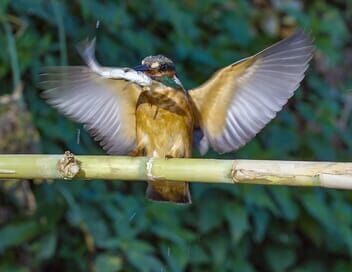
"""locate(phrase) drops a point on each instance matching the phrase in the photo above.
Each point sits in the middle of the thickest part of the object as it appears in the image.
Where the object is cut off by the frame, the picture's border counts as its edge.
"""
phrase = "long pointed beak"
(141, 68)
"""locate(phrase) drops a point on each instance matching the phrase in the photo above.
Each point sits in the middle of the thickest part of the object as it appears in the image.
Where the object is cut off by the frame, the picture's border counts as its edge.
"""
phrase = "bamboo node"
(68, 166)
(149, 167)
(234, 173)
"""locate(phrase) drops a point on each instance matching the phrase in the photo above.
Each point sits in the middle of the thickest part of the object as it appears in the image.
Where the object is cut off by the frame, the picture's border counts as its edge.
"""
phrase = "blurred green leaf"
(241, 265)
(46, 246)
(17, 233)
(279, 258)
(285, 202)
(209, 218)
(144, 262)
(107, 263)
(13, 268)
(318, 208)
(237, 219)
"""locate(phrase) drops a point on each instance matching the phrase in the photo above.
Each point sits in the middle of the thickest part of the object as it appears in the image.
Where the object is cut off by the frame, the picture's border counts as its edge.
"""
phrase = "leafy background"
(109, 226)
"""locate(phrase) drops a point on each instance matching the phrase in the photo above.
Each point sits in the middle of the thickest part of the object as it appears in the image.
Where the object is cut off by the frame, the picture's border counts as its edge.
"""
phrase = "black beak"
(141, 68)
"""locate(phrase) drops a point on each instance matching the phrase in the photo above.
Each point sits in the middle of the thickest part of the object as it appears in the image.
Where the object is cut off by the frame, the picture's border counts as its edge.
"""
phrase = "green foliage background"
(109, 226)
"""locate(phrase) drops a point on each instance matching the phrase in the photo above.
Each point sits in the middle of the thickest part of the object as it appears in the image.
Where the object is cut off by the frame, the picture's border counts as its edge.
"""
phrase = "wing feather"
(240, 99)
(105, 106)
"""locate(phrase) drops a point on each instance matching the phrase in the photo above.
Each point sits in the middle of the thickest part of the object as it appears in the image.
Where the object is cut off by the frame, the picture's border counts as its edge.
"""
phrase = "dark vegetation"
(109, 226)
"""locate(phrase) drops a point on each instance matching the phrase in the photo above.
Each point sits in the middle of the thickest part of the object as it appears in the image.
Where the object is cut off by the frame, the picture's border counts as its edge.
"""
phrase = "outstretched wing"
(106, 106)
(240, 99)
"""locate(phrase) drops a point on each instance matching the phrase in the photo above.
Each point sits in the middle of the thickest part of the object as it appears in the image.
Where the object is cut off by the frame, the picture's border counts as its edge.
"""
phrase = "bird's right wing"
(102, 98)
(105, 106)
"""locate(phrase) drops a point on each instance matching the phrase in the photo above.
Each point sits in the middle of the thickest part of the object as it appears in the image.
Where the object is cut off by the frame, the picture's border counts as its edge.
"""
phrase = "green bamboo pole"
(296, 173)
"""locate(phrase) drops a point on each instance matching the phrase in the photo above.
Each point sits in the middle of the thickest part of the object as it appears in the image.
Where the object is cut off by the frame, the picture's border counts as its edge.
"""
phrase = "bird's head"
(157, 66)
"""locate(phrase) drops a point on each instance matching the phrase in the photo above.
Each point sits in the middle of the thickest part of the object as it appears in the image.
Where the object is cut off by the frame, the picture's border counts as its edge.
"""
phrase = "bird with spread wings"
(146, 111)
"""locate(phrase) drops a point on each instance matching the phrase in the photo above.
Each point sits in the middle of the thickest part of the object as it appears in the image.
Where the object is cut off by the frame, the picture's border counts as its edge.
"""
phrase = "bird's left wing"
(240, 99)
(102, 98)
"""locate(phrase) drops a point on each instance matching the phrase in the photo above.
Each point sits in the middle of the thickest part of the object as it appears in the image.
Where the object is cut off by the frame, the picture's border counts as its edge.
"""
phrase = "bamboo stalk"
(295, 173)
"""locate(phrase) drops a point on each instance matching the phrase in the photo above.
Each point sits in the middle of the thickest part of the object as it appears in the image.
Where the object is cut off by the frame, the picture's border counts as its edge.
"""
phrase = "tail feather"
(169, 191)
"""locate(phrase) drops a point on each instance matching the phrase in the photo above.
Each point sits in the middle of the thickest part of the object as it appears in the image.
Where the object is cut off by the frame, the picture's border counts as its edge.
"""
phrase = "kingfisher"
(146, 111)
